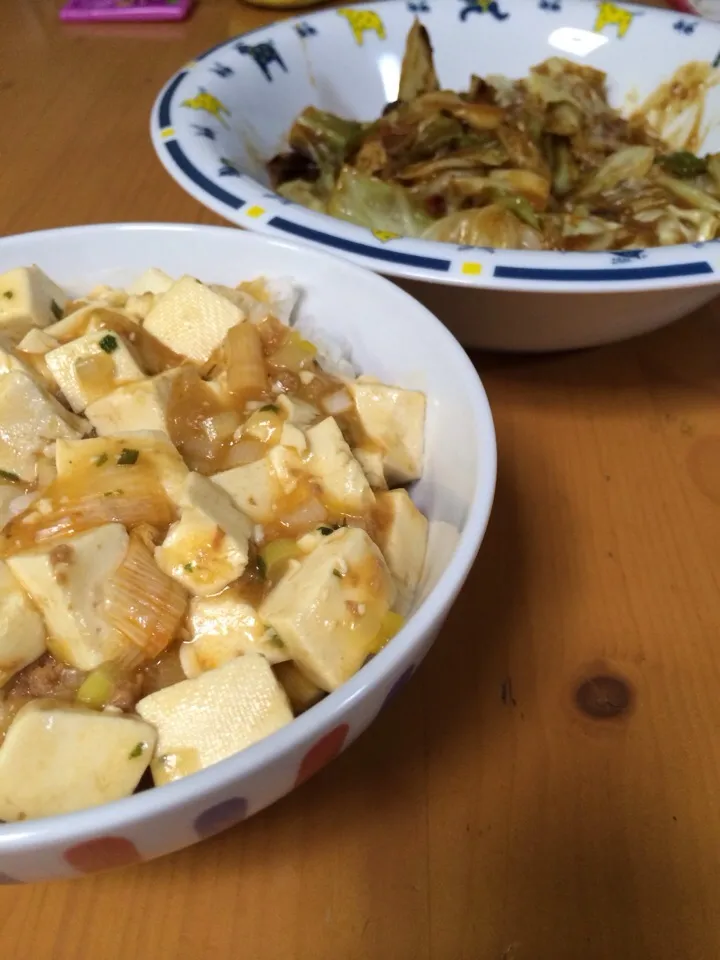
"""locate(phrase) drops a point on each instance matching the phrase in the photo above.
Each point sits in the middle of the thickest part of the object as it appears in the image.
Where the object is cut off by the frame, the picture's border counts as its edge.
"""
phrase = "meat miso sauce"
(204, 528)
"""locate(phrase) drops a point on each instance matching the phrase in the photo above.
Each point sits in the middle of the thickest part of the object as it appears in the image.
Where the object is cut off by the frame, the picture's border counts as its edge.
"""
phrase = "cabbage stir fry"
(204, 528)
(543, 163)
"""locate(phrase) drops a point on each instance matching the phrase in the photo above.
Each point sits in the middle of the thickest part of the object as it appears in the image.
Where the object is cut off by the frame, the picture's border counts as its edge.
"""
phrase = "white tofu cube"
(225, 627)
(394, 421)
(8, 493)
(114, 366)
(292, 436)
(207, 548)
(214, 716)
(66, 581)
(77, 456)
(344, 484)
(22, 630)
(329, 608)
(253, 487)
(401, 534)
(373, 467)
(297, 412)
(142, 405)
(192, 320)
(30, 419)
(8, 359)
(57, 758)
(28, 298)
(151, 281)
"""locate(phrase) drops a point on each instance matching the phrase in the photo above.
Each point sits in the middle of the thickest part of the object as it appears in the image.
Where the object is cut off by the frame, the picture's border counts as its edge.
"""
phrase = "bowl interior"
(348, 61)
(224, 114)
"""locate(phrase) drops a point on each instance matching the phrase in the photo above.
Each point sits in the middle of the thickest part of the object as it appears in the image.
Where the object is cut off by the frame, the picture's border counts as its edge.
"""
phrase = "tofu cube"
(58, 758)
(329, 608)
(92, 366)
(154, 448)
(297, 412)
(340, 475)
(302, 693)
(8, 492)
(142, 405)
(225, 627)
(192, 320)
(8, 359)
(373, 467)
(22, 630)
(401, 534)
(394, 421)
(30, 419)
(151, 281)
(28, 298)
(253, 487)
(66, 581)
(207, 548)
(214, 716)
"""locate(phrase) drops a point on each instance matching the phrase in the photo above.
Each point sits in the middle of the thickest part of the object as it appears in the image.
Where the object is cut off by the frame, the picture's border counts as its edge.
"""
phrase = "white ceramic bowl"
(391, 336)
(223, 114)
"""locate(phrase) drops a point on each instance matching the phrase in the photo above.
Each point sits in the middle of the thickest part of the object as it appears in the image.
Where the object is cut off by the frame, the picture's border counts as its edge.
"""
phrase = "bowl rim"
(114, 816)
(255, 206)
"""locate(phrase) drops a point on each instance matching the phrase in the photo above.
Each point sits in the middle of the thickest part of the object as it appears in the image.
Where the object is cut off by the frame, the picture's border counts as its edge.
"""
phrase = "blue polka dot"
(398, 685)
(220, 817)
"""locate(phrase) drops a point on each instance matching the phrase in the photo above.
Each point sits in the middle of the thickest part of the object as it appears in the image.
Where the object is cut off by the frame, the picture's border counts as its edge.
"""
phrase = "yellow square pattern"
(167, 132)
(256, 211)
(471, 269)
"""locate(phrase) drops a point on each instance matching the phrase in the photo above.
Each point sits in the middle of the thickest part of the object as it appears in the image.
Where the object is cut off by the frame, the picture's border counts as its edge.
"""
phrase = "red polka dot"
(102, 853)
(322, 752)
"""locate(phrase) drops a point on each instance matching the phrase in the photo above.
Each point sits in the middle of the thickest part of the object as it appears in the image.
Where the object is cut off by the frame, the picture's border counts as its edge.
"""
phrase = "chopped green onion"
(189, 567)
(99, 461)
(108, 343)
(326, 530)
(137, 750)
(261, 567)
(6, 475)
(8, 294)
(683, 164)
(56, 309)
(128, 456)
(336, 573)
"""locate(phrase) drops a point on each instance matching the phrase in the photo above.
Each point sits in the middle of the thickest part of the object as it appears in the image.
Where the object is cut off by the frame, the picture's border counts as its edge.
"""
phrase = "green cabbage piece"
(325, 138)
(377, 205)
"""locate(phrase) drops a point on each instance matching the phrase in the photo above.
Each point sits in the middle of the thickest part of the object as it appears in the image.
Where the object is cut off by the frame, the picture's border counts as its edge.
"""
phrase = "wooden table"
(487, 815)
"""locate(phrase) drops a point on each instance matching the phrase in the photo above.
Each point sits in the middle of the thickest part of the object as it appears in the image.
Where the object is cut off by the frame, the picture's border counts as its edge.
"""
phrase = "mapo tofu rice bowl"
(212, 518)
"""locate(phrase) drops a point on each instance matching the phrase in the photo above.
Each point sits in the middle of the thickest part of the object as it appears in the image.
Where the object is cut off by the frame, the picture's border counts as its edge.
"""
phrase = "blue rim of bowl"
(112, 818)
(255, 207)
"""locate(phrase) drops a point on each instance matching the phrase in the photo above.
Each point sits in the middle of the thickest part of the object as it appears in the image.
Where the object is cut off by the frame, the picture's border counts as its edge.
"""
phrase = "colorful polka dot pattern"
(102, 853)
(322, 752)
(220, 817)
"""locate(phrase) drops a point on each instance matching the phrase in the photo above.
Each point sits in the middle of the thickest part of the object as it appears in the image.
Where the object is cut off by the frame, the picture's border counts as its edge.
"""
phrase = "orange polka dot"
(102, 853)
(322, 752)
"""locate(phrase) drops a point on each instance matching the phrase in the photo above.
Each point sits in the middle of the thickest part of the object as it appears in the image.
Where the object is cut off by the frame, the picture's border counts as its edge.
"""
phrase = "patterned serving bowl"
(225, 113)
(390, 335)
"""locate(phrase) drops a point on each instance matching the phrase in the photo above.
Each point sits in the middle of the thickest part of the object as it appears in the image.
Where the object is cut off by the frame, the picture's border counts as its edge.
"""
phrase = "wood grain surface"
(509, 805)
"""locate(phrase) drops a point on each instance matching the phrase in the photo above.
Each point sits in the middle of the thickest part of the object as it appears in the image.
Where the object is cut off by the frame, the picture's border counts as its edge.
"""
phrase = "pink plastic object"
(701, 8)
(85, 11)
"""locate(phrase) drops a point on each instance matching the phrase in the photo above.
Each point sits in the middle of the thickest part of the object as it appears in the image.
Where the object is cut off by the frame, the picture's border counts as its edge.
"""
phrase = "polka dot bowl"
(390, 335)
